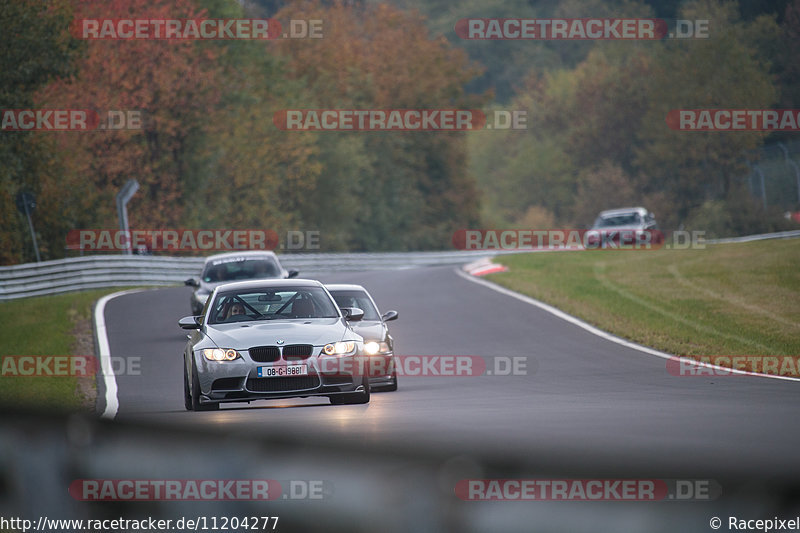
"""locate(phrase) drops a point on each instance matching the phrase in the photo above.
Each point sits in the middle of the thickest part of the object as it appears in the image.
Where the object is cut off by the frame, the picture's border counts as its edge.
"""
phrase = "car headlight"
(339, 348)
(372, 347)
(221, 354)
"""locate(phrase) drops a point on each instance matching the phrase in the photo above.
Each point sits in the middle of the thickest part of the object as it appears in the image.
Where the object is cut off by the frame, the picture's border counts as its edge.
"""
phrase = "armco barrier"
(100, 271)
(794, 234)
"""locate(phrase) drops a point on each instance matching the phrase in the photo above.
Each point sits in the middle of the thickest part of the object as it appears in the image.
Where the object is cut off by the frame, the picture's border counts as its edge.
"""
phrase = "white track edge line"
(104, 352)
(600, 333)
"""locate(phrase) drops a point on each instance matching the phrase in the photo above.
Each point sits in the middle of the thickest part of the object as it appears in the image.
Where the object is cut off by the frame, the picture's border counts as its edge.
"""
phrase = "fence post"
(123, 197)
(757, 170)
(791, 163)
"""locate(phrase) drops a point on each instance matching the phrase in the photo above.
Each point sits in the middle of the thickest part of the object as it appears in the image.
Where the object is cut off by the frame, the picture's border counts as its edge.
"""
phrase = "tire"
(393, 385)
(354, 398)
(196, 405)
(187, 394)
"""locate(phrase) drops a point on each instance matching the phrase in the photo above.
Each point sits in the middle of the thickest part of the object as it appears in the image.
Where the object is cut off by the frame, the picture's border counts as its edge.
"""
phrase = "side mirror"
(352, 314)
(294, 273)
(191, 282)
(189, 322)
(389, 315)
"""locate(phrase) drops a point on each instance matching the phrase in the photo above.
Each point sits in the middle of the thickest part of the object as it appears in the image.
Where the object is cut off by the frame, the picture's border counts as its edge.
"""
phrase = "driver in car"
(235, 309)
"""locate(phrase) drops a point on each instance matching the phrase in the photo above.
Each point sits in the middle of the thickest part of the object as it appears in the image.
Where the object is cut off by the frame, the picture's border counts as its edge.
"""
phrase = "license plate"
(281, 371)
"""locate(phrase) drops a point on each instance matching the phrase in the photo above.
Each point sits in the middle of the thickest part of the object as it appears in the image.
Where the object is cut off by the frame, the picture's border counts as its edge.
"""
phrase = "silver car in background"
(627, 218)
(270, 339)
(624, 226)
(234, 266)
(378, 343)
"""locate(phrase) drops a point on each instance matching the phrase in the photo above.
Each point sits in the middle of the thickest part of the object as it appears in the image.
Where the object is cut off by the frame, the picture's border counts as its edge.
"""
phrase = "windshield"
(626, 219)
(358, 299)
(272, 304)
(239, 268)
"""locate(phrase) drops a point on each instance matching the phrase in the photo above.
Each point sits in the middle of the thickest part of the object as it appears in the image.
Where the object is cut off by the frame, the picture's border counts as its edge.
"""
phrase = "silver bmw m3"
(268, 339)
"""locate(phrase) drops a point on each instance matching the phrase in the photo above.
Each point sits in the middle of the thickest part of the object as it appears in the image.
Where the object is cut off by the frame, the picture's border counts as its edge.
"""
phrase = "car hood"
(244, 335)
(371, 330)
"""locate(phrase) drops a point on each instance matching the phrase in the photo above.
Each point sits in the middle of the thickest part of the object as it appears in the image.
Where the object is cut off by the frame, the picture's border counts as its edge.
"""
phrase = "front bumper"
(238, 380)
(381, 369)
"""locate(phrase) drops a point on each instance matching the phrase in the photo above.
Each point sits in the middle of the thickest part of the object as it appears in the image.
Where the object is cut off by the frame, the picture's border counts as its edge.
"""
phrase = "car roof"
(269, 284)
(344, 287)
(246, 254)
(623, 210)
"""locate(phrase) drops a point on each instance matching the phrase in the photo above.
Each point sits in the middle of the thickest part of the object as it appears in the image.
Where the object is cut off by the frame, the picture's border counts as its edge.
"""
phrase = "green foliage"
(35, 49)
(382, 190)
(720, 72)
(738, 214)
(604, 121)
(211, 156)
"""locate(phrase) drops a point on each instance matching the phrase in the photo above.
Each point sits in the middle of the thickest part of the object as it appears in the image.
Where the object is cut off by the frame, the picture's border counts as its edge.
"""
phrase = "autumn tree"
(36, 48)
(605, 119)
(173, 85)
(383, 190)
(724, 71)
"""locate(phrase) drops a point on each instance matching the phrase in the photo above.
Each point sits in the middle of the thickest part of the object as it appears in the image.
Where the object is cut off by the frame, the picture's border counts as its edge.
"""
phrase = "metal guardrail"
(81, 273)
(762, 237)
(100, 271)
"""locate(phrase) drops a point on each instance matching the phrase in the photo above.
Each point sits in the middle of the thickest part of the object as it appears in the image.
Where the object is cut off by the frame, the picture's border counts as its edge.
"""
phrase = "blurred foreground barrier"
(76, 467)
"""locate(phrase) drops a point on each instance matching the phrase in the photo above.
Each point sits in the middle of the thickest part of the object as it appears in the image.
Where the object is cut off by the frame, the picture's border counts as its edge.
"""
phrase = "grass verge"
(48, 325)
(731, 299)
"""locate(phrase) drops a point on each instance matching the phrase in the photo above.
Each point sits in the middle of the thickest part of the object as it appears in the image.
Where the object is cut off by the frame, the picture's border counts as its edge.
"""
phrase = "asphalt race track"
(585, 402)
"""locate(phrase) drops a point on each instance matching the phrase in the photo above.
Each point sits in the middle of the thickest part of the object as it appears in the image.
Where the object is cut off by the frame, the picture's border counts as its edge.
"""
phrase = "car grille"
(297, 351)
(270, 354)
(265, 354)
(282, 384)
